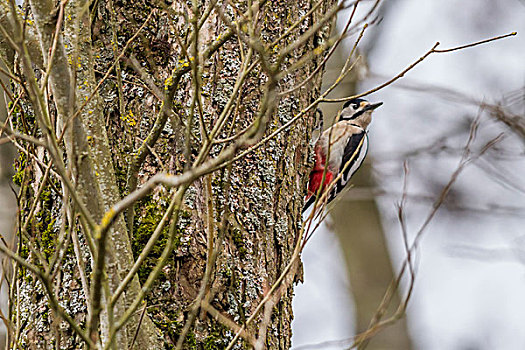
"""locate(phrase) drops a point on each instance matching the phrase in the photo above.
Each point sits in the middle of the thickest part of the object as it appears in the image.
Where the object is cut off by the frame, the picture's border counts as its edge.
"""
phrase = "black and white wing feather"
(353, 156)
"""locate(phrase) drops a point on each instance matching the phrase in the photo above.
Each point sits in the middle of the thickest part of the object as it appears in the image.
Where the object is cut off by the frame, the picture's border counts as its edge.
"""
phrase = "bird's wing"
(353, 155)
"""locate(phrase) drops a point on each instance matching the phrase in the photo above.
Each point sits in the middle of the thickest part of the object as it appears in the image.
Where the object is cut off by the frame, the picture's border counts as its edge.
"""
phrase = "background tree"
(357, 221)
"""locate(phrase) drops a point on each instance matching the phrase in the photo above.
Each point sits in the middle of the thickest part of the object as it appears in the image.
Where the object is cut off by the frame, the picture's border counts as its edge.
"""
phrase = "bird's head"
(359, 111)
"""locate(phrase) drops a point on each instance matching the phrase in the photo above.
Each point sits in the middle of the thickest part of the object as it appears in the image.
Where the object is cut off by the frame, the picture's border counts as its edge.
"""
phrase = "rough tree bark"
(246, 215)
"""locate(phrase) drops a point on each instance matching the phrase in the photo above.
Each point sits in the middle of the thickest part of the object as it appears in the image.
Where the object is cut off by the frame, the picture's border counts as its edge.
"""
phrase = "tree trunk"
(233, 230)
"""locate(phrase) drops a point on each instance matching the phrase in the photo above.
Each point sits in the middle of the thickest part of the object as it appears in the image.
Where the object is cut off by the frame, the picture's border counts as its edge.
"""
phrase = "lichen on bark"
(246, 215)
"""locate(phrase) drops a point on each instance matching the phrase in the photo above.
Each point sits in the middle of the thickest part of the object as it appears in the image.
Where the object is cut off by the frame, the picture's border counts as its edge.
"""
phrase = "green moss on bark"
(149, 214)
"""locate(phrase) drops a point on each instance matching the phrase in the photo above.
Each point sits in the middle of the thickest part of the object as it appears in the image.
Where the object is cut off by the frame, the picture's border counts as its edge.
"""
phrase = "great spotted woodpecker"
(346, 145)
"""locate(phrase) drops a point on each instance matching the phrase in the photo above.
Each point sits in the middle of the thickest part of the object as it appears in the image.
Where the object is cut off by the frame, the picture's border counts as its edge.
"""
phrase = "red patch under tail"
(316, 176)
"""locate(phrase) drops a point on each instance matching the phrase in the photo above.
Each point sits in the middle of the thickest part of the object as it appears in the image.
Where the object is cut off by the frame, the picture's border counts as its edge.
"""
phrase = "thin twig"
(421, 59)
(376, 324)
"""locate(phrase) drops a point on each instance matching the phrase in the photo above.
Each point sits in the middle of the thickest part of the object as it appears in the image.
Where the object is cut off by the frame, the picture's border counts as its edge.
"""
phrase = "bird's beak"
(372, 106)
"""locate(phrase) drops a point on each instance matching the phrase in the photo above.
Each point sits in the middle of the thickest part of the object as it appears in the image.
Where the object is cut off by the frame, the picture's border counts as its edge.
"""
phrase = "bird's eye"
(356, 106)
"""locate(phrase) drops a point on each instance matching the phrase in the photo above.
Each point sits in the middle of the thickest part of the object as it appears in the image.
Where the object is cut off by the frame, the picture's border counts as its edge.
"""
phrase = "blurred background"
(469, 290)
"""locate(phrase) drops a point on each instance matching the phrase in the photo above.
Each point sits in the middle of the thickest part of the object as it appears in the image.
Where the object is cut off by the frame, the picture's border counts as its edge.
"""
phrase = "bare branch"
(410, 67)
